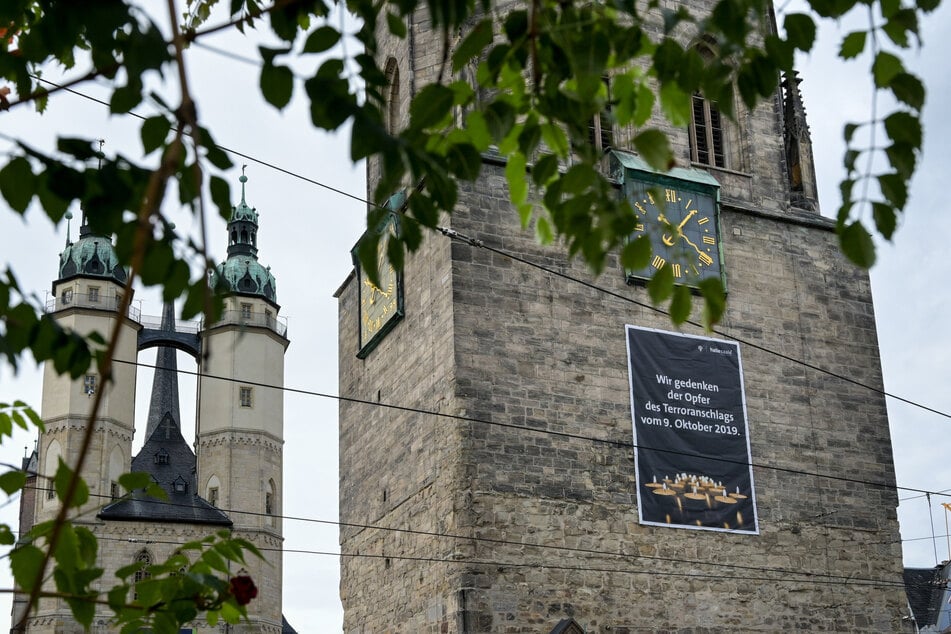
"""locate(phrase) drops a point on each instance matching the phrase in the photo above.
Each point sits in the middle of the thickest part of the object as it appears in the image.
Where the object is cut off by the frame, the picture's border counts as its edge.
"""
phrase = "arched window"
(53, 454)
(715, 140)
(391, 112)
(213, 490)
(144, 560)
(270, 502)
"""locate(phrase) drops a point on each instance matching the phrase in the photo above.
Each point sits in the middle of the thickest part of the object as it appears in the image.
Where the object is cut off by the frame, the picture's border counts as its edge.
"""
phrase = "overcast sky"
(306, 232)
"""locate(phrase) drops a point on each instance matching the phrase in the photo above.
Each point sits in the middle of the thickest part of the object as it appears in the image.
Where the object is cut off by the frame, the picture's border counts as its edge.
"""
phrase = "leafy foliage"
(518, 81)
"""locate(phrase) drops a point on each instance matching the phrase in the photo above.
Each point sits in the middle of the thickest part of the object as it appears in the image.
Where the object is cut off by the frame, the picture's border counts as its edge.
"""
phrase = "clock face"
(683, 228)
(381, 306)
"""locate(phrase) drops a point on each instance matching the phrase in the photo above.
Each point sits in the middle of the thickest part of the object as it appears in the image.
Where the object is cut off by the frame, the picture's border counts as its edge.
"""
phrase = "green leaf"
(680, 305)
(125, 98)
(544, 169)
(714, 300)
(849, 131)
(430, 106)
(154, 131)
(133, 481)
(277, 85)
(321, 39)
(221, 196)
(478, 40)
(894, 189)
(543, 230)
(396, 24)
(902, 158)
(904, 127)
(18, 184)
(886, 221)
(857, 244)
(908, 89)
(636, 254)
(853, 44)
(12, 481)
(885, 67)
(62, 479)
(654, 147)
(518, 185)
(25, 562)
(800, 31)
(676, 105)
(661, 284)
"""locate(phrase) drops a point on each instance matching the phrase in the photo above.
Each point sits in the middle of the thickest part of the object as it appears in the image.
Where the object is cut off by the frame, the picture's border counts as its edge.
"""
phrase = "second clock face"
(381, 305)
(683, 229)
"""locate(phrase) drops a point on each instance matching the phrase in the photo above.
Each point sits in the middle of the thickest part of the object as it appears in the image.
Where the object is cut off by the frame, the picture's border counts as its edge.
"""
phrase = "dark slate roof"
(567, 626)
(286, 627)
(924, 589)
(170, 461)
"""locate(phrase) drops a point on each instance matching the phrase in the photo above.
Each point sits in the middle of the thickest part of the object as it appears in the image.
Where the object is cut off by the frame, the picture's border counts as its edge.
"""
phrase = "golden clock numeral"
(650, 197)
(640, 208)
(687, 206)
(705, 259)
(676, 269)
(658, 262)
(709, 240)
(639, 227)
(703, 220)
(670, 195)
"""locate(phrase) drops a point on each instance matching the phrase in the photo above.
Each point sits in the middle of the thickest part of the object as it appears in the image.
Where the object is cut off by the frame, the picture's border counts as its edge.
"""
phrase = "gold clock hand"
(689, 216)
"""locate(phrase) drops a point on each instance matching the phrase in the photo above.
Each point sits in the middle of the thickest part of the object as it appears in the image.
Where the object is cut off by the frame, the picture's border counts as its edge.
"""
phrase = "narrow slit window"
(246, 396)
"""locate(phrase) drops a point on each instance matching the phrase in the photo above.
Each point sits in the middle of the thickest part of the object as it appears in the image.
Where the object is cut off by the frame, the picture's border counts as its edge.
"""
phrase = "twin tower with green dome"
(231, 476)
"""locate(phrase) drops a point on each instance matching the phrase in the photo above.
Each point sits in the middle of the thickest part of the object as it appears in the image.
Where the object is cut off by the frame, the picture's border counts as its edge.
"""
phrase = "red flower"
(243, 589)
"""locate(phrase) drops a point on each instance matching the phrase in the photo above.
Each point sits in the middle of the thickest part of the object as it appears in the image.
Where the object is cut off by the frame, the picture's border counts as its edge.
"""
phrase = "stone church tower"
(233, 478)
(501, 493)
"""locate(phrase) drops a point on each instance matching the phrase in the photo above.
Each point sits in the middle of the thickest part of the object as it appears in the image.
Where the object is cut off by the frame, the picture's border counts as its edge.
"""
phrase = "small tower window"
(180, 485)
(600, 129)
(90, 382)
(213, 496)
(114, 490)
(161, 457)
(706, 133)
(93, 294)
(245, 310)
(246, 396)
(269, 503)
(66, 297)
(269, 318)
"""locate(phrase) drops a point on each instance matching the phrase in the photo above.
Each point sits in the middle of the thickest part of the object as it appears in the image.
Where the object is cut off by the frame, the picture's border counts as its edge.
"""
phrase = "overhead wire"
(500, 542)
(475, 242)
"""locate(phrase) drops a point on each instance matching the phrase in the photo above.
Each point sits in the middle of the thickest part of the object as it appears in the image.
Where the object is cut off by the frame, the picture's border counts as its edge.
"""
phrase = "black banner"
(690, 430)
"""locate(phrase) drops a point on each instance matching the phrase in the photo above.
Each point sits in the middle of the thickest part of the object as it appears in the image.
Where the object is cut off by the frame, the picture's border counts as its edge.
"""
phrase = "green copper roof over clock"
(241, 272)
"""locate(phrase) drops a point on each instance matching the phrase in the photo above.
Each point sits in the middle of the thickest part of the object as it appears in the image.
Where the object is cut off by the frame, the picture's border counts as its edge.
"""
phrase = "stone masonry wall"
(553, 358)
(400, 469)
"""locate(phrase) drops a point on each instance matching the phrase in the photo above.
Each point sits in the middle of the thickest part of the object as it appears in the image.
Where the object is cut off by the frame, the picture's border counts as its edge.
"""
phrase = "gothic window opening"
(114, 491)
(161, 457)
(93, 294)
(600, 128)
(706, 133)
(246, 396)
(245, 310)
(391, 106)
(67, 297)
(90, 382)
(144, 559)
(213, 496)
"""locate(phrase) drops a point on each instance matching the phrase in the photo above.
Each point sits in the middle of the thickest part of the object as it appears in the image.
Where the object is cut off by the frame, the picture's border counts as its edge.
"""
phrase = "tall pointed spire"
(165, 383)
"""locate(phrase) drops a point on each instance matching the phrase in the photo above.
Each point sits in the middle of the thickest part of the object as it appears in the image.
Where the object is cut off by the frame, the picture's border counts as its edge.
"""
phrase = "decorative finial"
(69, 216)
(243, 179)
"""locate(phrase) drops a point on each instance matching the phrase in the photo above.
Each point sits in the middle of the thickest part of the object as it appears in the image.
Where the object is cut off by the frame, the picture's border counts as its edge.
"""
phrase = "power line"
(626, 444)
(503, 542)
(452, 234)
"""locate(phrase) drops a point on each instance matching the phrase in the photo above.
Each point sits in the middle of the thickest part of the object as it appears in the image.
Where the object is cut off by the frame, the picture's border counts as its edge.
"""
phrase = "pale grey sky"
(306, 233)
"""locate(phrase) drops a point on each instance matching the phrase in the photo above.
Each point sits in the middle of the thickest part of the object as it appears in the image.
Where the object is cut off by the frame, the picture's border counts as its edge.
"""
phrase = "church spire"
(164, 400)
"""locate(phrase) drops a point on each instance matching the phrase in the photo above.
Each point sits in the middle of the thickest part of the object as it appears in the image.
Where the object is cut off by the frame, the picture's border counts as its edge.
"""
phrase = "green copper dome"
(91, 256)
(241, 272)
